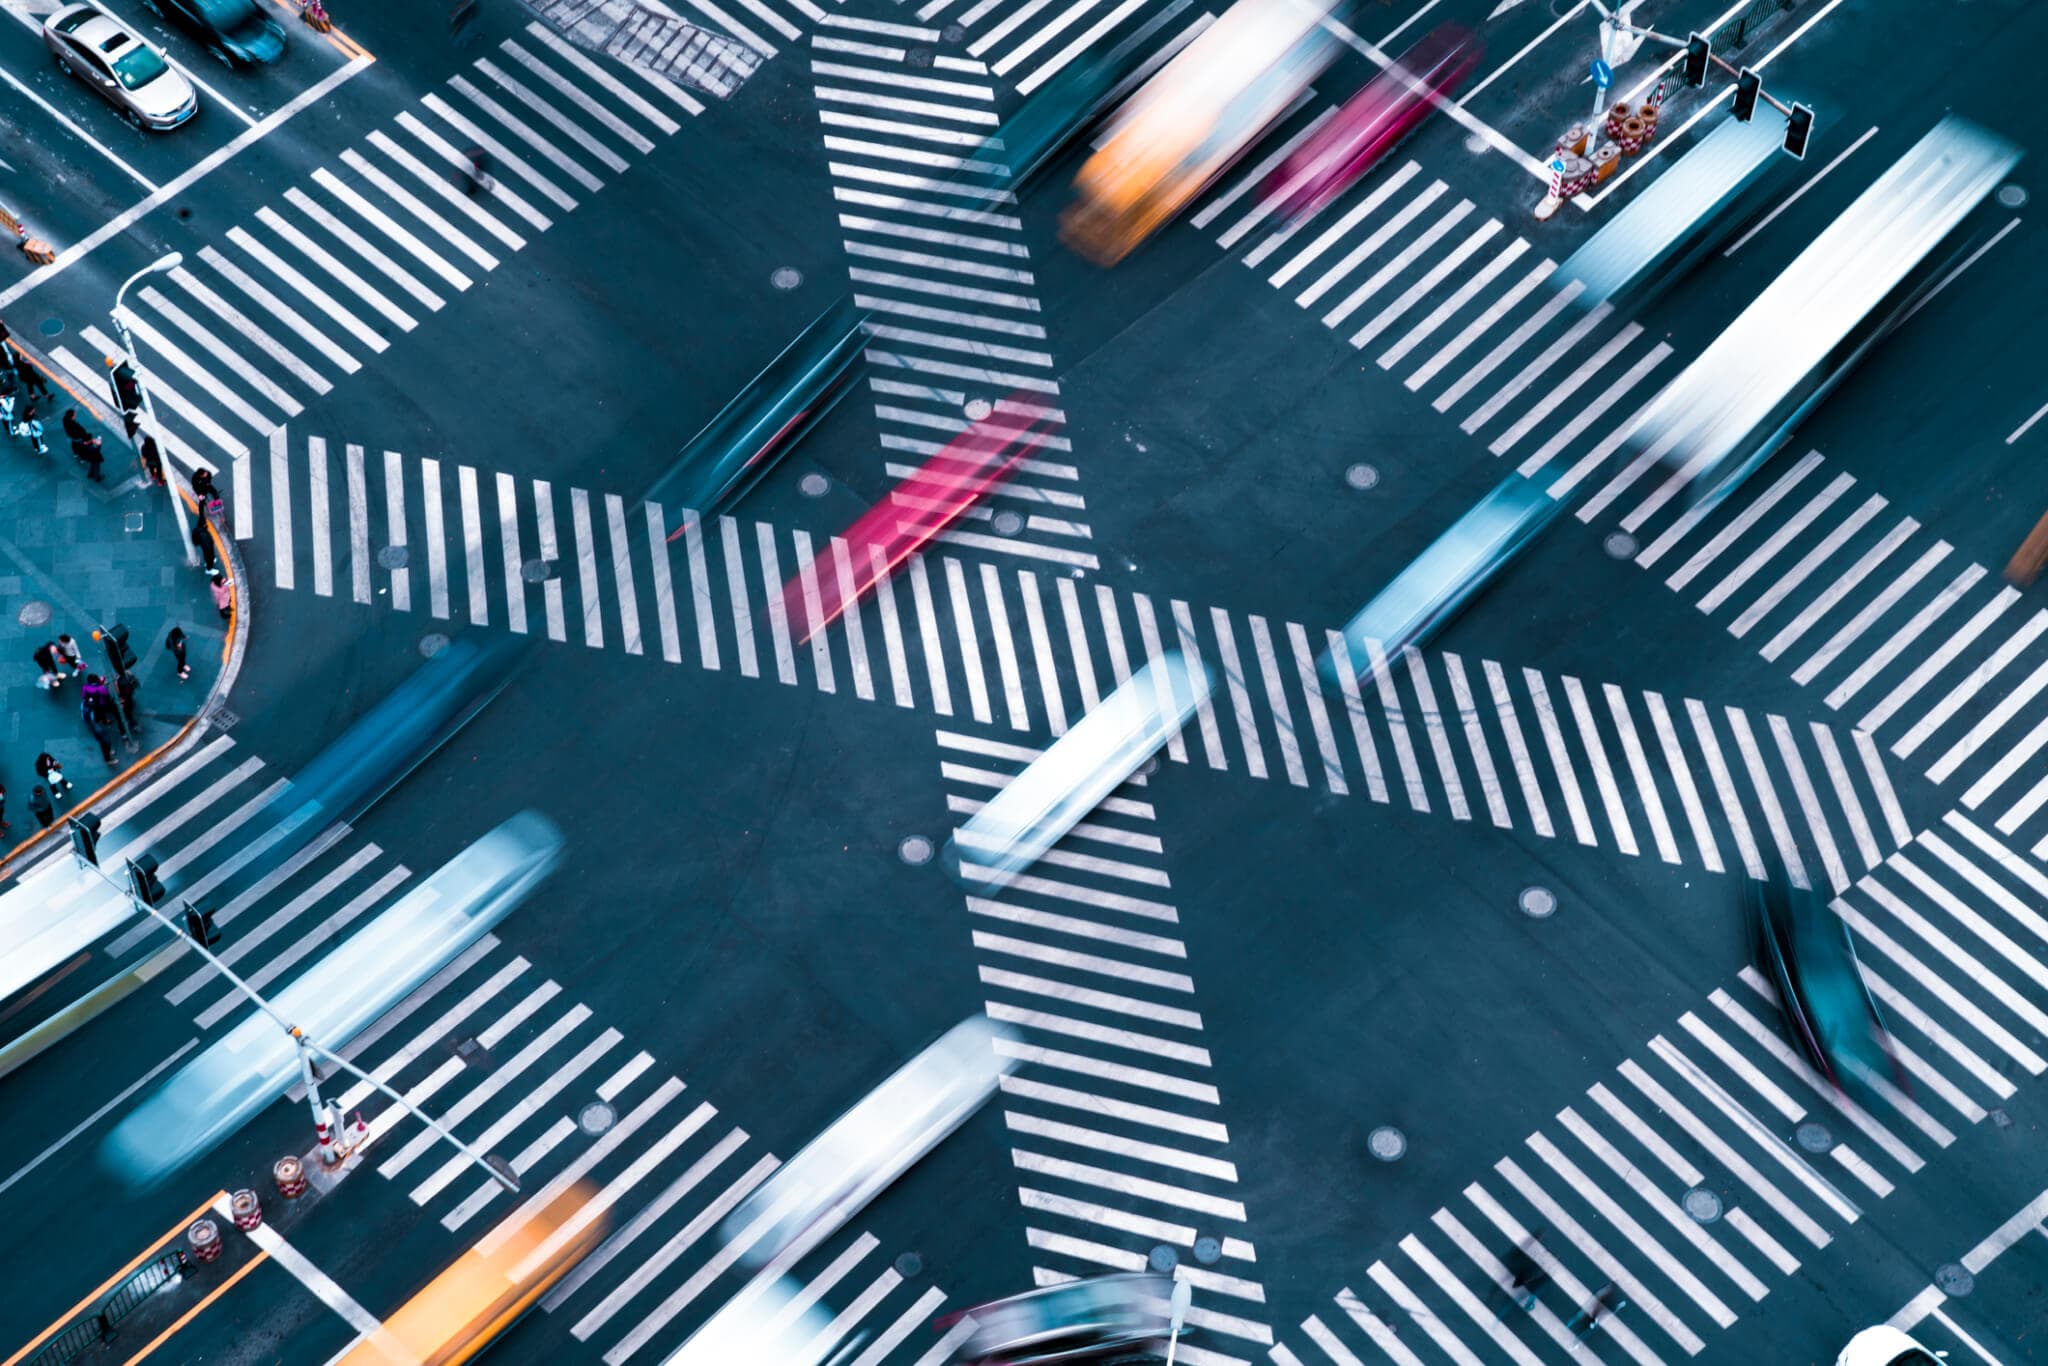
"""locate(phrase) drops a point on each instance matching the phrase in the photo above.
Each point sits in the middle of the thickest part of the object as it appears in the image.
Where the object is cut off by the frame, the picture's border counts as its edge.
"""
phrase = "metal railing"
(1737, 30)
(91, 1329)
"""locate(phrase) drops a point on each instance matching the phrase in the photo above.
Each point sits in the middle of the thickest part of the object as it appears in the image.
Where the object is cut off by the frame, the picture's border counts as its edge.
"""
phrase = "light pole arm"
(1716, 58)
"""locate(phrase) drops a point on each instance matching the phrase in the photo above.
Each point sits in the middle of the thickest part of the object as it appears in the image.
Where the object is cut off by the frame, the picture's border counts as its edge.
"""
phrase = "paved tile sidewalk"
(76, 556)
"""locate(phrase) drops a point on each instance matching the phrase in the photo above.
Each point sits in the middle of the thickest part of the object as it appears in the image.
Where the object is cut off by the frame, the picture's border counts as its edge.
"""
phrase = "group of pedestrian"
(104, 707)
(1527, 1274)
(21, 384)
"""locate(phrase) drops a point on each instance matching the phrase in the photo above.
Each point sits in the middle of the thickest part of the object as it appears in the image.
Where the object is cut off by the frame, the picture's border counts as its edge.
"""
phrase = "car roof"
(101, 32)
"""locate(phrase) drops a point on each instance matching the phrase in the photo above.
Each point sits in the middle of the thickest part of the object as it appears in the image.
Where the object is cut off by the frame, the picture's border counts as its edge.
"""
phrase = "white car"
(1885, 1346)
(127, 72)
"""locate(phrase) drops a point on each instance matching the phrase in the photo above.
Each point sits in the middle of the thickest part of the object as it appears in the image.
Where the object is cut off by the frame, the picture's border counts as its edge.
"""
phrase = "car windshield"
(138, 66)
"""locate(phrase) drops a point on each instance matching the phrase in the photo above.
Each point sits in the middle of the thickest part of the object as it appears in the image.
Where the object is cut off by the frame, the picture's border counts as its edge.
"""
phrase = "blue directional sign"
(1603, 74)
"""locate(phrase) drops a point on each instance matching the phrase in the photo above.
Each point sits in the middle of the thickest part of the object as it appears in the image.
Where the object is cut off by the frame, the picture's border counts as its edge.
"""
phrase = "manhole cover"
(1163, 1259)
(1477, 145)
(1813, 1137)
(2012, 196)
(470, 1051)
(978, 408)
(221, 717)
(1387, 1143)
(394, 557)
(786, 277)
(915, 850)
(814, 485)
(596, 1118)
(33, 614)
(1620, 545)
(1007, 523)
(1149, 767)
(1077, 572)
(432, 644)
(132, 522)
(1208, 1251)
(1953, 1279)
(954, 33)
(1538, 903)
(1362, 477)
(537, 571)
(2001, 1119)
(919, 57)
(51, 327)
(1702, 1204)
(909, 1264)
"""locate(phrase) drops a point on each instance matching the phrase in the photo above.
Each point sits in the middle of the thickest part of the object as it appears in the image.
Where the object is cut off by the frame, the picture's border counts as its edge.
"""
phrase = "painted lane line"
(473, 545)
(1895, 589)
(1603, 772)
(581, 528)
(622, 574)
(437, 537)
(1639, 767)
(1439, 736)
(1444, 311)
(236, 319)
(664, 585)
(1354, 709)
(701, 607)
(1560, 757)
(281, 507)
(1789, 200)
(394, 529)
(550, 555)
(312, 1277)
(358, 523)
(273, 305)
(1492, 314)
(1938, 659)
(1518, 748)
(508, 548)
(97, 1115)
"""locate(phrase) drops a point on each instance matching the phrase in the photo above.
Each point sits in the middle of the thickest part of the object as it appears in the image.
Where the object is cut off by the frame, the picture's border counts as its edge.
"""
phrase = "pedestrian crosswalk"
(1715, 786)
(936, 252)
(1115, 1116)
(506, 1057)
(1823, 576)
(1714, 1159)
(238, 338)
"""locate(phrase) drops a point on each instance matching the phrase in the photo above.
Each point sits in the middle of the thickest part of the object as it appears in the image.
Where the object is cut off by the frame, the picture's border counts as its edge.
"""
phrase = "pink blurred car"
(1390, 106)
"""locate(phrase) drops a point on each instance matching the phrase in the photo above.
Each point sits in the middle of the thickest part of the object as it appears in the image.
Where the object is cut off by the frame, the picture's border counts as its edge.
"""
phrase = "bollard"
(1576, 139)
(291, 1177)
(1578, 175)
(38, 251)
(1615, 115)
(245, 1209)
(1605, 160)
(1648, 114)
(204, 1237)
(1634, 133)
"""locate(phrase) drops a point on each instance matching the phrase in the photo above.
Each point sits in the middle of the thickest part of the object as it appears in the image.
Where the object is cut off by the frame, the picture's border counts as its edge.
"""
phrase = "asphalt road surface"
(1333, 1006)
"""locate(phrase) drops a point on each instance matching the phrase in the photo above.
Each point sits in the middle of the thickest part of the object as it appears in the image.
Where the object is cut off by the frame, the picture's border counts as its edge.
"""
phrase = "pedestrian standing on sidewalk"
(30, 373)
(175, 643)
(88, 453)
(31, 427)
(152, 461)
(67, 651)
(46, 660)
(39, 802)
(223, 593)
(97, 707)
(125, 685)
(52, 774)
(7, 397)
(207, 493)
(202, 540)
(73, 428)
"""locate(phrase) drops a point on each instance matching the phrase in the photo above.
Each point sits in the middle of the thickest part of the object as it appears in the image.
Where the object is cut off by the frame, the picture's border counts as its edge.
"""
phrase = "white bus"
(1740, 401)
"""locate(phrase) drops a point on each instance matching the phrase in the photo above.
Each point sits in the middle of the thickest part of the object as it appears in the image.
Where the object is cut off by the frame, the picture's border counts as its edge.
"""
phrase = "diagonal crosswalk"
(510, 1060)
(1649, 775)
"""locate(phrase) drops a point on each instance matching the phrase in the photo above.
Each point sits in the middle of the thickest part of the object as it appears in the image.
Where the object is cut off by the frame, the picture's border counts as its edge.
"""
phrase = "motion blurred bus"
(469, 1306)
(1186, 126)
(1739, 403)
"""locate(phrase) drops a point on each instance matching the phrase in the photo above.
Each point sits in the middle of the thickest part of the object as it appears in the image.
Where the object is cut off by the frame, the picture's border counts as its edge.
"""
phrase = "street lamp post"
(1183, 1295)
(168, 261)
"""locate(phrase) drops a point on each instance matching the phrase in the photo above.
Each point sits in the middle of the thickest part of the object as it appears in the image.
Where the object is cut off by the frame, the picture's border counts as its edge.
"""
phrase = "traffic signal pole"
(323, 1118)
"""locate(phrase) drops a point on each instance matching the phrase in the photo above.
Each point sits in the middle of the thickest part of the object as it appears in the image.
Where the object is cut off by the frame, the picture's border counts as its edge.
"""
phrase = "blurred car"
(872, 1144)
(127, 72)
(1388, 109)
(1076, 1321)
(1439, 581)
(1805, 947)
(234, 31)
(767, 417)
(1052, 115)
(1885, 1346)
(1191, 122)
(910, 515)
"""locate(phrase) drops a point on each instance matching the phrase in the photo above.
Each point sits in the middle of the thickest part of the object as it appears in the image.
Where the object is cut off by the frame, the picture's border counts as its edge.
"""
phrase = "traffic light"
(119, 653)
(85, 836)
(142, 880)
(1798, 129)
(1748, 85)
(199, 925)
(127, 391)
(1697, 52)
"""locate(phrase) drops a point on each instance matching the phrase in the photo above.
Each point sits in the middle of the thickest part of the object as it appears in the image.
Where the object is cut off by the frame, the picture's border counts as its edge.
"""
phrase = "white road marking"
(358, 523)
(322, 538)
(281, 507)
(473, 545)
(508, 549)
(664, 586)
(551, 555)
(1938, 659)
(394, 530)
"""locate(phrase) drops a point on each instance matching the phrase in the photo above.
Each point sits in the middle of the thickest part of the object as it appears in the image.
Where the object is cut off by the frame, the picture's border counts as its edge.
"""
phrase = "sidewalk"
(76, 556)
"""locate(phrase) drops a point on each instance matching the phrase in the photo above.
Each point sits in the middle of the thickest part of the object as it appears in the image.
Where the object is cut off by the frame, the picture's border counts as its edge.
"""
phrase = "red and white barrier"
(204, 1237)
(290, 1174)
(245, 1210)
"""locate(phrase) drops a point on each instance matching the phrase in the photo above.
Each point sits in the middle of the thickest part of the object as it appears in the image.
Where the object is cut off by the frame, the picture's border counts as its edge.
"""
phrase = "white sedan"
(1885, 1346)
